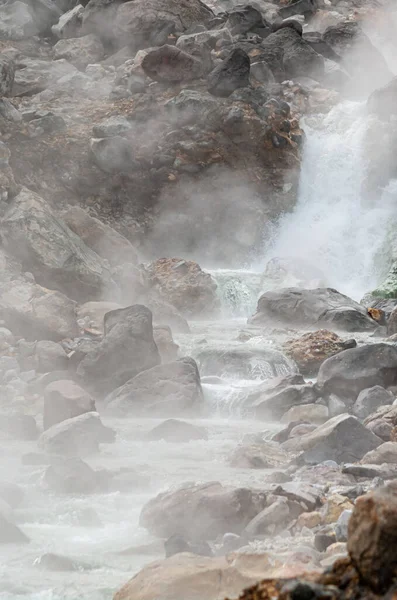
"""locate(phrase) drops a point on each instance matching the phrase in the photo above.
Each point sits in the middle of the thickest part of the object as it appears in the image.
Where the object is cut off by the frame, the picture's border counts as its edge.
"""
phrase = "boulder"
(183, 284)
(70, 476)
(69, 23)
(201, 512)
(348, 373)
(7, 73)
(370, 399)
(126, 349)
(164, 314)
(273, 403)
(36, 312)
(258, 456)
(382, 102)
(93, 313)
(16, 21)
(231, 74)
(312, 413)
(49, 356)
(385, 453)
(336, 504)
(81, 51)
(78, 436)
(311, 349)
(300, 7)
(167, 389)
(176, 431)
(194, 42)
(37, 75)
(50, 250)
(342, 525)
(271, 518)
(342, 439)
(373, 535)
(312, 307)
(169, 64)
(165, 343)
(101, 238)
(10, 533)
(114, 154)
(64, 399)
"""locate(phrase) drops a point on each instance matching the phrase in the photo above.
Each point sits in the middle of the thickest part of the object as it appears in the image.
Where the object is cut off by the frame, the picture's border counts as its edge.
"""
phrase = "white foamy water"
(332, 227)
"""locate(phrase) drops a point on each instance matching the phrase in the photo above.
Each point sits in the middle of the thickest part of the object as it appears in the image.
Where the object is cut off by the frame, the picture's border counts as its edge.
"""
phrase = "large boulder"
(372, 537)
(127, 349)
(183, 284)
(342, 439)
(64, 399)
(231, 74)
(348, 373)
(385, 453)
(168, 389)
(35, 312)
(71, 475)
(312, 307)
(50, 250)
(169, 64)
(369, 400)
(80, 51)
(201, 512)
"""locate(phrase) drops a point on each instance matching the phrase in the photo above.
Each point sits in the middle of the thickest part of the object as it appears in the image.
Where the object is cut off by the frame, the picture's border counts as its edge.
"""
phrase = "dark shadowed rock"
(169, 64)
(70, 476)
(370, 399)
(7, 73)
(201, 512)
(342, 439)
(231, 74)
(64, 400)
(177, 544)
(177, 431)
(167, 389)
(300, 7)
(356, 369)
(126, 349)
(78, 436)
(243, 18)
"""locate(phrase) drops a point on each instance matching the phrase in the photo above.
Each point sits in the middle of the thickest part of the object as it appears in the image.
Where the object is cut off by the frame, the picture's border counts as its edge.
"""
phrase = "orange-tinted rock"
(312, 349)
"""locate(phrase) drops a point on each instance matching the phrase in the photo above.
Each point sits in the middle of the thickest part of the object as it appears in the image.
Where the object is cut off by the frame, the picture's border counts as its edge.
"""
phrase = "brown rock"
(385, 453)
(334, 507)
(170, 64)
(312, 349)
(309, 519)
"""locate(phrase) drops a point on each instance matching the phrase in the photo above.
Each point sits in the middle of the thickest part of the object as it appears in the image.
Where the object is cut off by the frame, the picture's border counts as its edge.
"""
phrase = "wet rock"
(342, 439)
(370, 399)
(167, 389)
(231, 74)
(342, 524)
(312, 307)
(385, 453)
(36, 312)
(59, 563)
(49, 356)
(312, 349)
(80, 51)
(78, 436)
(10, 533)
(184, 285)
(201, 512)
(126, 349)
(276, 404)
(313, 413)
(100, 237)
(270, 519)
(70, 476)
(165, 343)
(69, 23)
(50, 250)
(348, 373)
(372, 532)
(258, 456)
(64, 400)
(176, 431)
(169, 64)
(7, 73)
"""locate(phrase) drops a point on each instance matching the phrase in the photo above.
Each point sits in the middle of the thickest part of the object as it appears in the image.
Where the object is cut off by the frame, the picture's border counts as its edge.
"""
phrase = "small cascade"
(238, 291)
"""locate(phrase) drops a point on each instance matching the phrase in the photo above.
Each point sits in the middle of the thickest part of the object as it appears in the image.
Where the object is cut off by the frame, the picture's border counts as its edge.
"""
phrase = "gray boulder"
(71, 476)
(50, 250)
(231, 74)
(127, 349)
(7, 74)
(69, 23)
(50, 356)
(312, 307)
(168, 389)
(80, 51)
(64, 399)
(10, 533)
(342, 525)
(270, 518)
(36, 75)
(169, 64)
(78, 436)
(370, 399)
(16, 21)
(300, 7)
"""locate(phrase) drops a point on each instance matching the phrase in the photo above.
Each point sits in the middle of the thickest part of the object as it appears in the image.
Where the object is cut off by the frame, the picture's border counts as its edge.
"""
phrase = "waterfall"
(238, 291)
(331, 227)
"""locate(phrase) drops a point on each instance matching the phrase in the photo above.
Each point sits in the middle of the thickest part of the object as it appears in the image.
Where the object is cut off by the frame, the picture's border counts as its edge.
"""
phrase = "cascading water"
(238, 291)
(331, 227)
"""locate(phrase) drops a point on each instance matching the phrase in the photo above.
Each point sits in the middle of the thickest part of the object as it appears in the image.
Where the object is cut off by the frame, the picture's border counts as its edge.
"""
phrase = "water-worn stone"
(385, 453)
(201, 512)
(126, 349)
(313, 413)
(176, 431)
(64, 399)
(373, 535)
(312, 307)
(258, 456)
(50, 250)
(370, 399)
(348, 373)
(271, 518)
(275, 403)
(49, 356)
(342, 439)
(70, 476)
(169, 64)
(168, 389)
(80, 51)
(78, 436)
(231, 74)
(312, 349)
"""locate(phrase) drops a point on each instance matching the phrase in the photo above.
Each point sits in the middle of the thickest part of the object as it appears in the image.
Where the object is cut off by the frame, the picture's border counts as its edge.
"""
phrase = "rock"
(309, 519)
(69, 23)
(258, 456)
(93, 313)
(336, 406)
(301, 429)
(381, 428)
(312, 307)
(194, 42)
(50, 356)
(313, 413)
(348, 373)
(126, 349)
(109, 127)
(19, 427)
(63, 400)
(176, 431)
(50, 250)
(16, 21)
(167, 389)
(36, 312)
(270, 519)
(38, 75)
(382, 101)
(7, 74)
(10, 533)
(78, 436)
(177, 544)
(335, 506)
(70, 476)
(262, 73)
(370, 399)
(385, 453)
(231, 74)
(342, 524)
(101, 238)
(59, 563)
(81, 51)
(372, 533)
(169, 64)
(165, 314)
(275, 403)
(184, 285)
(342, 439)
(300, 7)
(11, 493)
(201, 512)
(312, 349)
(307, 496)
(165, 343)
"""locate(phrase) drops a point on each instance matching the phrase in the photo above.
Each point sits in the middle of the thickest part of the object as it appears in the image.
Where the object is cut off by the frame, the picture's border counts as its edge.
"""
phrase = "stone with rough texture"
(80, 51)
(78, 436)
(370, 399)
(312, 349)
(7, 73)
(169, 64)
(385, 453)
(50, 356)
(69, 23)
(64, 399)
(201, 512)
(231, 74)
(167, 389)
(70, 476)
(270, 518)
(258, 456)
(312, 413)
